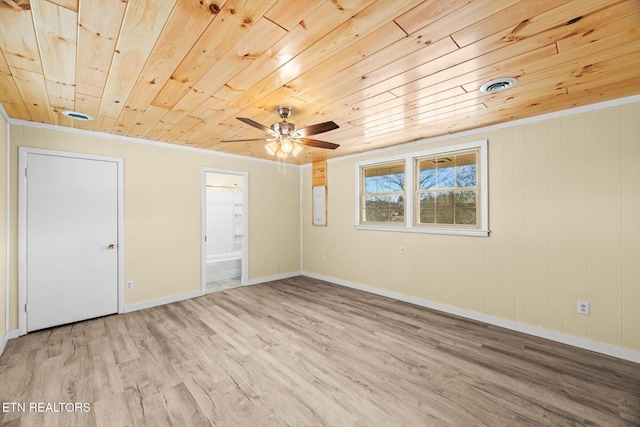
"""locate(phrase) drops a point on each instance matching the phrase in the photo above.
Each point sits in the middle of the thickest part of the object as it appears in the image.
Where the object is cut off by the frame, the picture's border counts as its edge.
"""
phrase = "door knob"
(111, 246)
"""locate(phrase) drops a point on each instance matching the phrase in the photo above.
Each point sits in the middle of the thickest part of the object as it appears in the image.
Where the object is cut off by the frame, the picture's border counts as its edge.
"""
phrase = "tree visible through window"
(383, 198)
(447, 189)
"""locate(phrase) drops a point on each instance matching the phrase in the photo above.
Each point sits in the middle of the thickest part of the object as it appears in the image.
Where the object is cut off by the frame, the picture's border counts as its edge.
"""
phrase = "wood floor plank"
(301, 351)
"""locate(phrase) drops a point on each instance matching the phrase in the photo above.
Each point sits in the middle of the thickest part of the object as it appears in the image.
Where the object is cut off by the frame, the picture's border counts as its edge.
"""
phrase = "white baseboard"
(128, 308)
(10, 334)
(274, 277)
(598, 347)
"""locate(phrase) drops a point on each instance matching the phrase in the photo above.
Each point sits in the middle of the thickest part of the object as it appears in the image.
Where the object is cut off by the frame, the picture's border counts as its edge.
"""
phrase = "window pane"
(427, 200)
(427, 179)
(466, 216)
(466, 176)
(427, 175)
(466, 159)
(465, 198)
(465, 207)
(446, 173)
(394, 182)
(370, 185)
(444, 215)
(444, 199)
(427, 216)
(374, 208)
(382, 170)
(384, 208)
(444, 207)
(384, 179)
(427, 213)
(384, 184)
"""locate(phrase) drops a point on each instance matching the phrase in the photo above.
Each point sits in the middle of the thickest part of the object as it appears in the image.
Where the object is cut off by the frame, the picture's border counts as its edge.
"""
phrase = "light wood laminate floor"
(303, 352)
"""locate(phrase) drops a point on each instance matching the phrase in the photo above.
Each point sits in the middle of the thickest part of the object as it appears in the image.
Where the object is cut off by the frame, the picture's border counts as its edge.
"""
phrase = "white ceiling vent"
(498, 85)
(77, 116)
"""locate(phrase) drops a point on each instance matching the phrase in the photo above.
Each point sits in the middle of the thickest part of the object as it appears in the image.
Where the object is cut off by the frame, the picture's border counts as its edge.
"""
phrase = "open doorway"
(224, 230)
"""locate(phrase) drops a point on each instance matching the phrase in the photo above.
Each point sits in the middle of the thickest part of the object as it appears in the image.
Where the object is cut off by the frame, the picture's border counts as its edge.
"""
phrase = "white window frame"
(384, 224)
(409, 226)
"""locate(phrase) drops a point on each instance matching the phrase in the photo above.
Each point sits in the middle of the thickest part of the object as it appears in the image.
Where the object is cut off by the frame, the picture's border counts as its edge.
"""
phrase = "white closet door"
(72, 246)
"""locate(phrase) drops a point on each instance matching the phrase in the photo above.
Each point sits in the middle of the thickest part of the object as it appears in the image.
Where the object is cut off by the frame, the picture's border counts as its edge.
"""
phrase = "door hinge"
(205, 238)
(26, 172)
(25, 308)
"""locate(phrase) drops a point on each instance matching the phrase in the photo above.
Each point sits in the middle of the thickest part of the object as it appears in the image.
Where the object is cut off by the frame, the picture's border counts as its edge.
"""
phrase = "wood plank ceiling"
(386, 71)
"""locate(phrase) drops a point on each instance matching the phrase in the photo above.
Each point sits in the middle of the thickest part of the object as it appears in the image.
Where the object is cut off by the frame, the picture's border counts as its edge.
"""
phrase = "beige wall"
(3, 222)
(162, 212)
(564, 214)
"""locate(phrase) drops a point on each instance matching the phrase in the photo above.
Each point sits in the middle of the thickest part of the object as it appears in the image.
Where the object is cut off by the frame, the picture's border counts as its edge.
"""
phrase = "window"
(383, 196)
(447, 190)
(439, 191)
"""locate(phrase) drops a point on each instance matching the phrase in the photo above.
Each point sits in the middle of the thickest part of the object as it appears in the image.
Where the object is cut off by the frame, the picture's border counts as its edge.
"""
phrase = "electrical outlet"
(403, 249)
(324, 259)
(128, 285)
(583, 307)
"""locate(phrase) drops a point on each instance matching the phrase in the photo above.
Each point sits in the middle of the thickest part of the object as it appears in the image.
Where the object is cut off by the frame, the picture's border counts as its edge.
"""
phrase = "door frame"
(23, 153)
(245, 224)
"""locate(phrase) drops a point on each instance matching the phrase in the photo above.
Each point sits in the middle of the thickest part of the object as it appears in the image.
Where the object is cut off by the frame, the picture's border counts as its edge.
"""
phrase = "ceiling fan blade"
(316, 129)
(257, 125)
(316, 143)
(252, 139)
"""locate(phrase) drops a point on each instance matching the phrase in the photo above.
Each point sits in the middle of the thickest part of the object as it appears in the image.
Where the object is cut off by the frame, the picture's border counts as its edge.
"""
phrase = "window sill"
(422, 230)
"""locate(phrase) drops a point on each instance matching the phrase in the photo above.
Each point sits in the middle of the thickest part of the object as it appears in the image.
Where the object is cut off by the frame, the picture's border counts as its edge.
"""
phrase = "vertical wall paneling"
(494, 296)
(574, 225)
(468, 277)
(536, 224)
(554, 230)
(519, 209)
(449, 278)
(508, 226)
(564, 203)
(604, 203)
(630, 225)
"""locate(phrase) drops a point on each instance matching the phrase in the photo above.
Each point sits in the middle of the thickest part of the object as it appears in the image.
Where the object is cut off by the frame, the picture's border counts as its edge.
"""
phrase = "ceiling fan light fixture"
(286, 145)
(297, 149)
(498, 85)
(272, 148)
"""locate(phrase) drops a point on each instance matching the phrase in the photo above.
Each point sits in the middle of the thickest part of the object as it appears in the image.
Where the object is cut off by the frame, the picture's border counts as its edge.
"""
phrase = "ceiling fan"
(285, 138)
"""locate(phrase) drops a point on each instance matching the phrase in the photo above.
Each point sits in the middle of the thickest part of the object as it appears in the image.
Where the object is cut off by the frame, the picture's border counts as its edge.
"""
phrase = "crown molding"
(129, 139)
(519, 122)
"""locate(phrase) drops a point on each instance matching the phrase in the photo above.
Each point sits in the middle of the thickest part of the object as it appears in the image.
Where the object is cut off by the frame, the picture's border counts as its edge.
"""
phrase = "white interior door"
(71, 239)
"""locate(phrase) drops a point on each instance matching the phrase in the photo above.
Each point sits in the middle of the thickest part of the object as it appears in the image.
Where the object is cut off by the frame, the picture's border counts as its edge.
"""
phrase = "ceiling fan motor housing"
(284, 128)
(284, 112)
